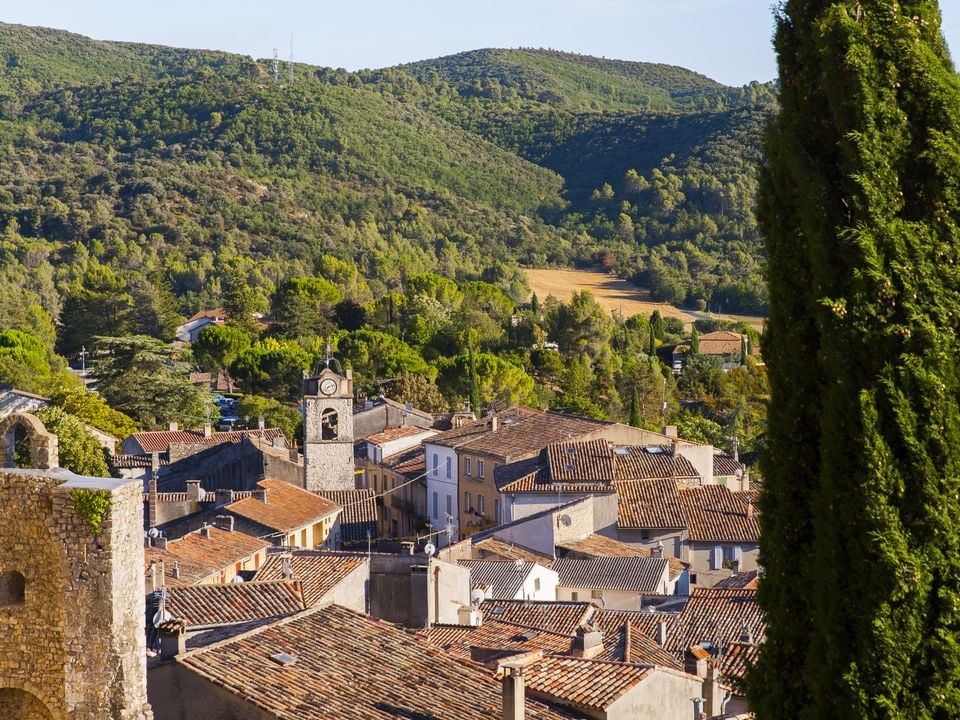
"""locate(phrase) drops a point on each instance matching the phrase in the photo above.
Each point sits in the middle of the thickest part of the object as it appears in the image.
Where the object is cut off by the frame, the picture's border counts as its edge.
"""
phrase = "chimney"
(670, 431)
(173, 640)
(153, 576)
(224, 522)
(588, 642)
(160, 543)
(494, 423)
(407, 547)
(152, 487)
(662, 633)
(469, 616)
(174, 427)
(176, 569)
(713, 692)
(735, 447)
(514, 687)
(261, 422)
(154, 467)
(278, 443)
(194, 491)
(749, 510)
(261, 495)
(287, 563)
(205, 532)
(294, 455)
(207, 431)
(746, 634)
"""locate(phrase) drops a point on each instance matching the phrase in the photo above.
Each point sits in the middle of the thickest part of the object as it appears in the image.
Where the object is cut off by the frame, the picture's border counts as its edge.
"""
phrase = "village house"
(518, 580)
(214, 554)
(323, 576)
(617, 583)
(285, 514)
(177, 443)
(188, 331)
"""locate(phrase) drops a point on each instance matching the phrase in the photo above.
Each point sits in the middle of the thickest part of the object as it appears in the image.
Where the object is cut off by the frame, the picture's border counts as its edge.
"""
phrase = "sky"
(727, 40)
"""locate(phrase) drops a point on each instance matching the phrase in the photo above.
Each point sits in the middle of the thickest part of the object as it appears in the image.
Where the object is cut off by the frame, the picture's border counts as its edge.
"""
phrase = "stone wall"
(76, 641)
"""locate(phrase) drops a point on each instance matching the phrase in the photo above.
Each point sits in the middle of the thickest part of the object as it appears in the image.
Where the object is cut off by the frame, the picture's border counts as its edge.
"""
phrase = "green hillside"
(33, 59)
(571, 81)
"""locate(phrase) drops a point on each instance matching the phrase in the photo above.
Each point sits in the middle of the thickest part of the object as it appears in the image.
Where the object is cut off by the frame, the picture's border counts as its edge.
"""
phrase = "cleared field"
(612, 293)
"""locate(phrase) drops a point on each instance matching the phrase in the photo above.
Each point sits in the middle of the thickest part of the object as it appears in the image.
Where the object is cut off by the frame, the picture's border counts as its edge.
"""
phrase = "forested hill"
(166, 167)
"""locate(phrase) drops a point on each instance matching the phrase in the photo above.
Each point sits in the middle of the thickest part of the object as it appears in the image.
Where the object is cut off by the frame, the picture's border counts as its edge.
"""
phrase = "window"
(449, 463)
(449, 505)
(436, 505)
(480, 469)
(732, 556)
(596, 594)
(536, 584)
(466, 466)
(496, 511)
(716, 558)
(436, 464)
(329, 421)
(574, 596)
(481, 505)
(466, 502)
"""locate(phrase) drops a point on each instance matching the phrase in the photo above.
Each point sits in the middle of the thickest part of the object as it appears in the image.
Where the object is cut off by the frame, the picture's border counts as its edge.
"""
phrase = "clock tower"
(328, 430)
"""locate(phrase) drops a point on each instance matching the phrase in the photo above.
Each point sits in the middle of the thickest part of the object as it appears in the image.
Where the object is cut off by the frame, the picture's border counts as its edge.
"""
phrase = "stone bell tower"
(328, 429)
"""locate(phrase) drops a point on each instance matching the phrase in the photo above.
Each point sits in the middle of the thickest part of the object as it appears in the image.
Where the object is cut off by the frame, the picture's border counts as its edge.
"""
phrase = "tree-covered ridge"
(572, 81)
(35, 58)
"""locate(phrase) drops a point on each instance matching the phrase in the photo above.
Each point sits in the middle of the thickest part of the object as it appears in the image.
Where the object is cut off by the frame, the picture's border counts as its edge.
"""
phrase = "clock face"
(328, 386)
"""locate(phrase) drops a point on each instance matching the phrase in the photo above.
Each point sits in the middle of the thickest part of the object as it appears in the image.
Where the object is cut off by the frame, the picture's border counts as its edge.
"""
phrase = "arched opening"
(20, 442)
(329, 420)
(19, 704)
(12, 588)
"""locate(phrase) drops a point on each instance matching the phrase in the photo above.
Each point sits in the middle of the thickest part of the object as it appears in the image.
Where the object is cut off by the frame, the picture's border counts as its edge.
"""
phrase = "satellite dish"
(160, 617)
(429, 549)
(153, 533)
(565, 519)
(477, 596)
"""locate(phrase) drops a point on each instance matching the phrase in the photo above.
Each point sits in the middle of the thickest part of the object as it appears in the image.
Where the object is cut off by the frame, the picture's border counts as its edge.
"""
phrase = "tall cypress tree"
(860, 207)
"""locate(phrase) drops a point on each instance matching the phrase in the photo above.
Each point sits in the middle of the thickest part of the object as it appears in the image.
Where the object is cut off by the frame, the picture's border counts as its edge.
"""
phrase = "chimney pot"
(514, 688)
(174, 426)
(657, 550)
(750, 510)
(207, 431)
(588, 642)
(494, 423)
(205, 532)
(194, 492)
(261, 495)
(173, 642)
(670, 431)
(176, 569)
(224, 522)
(261, 422)
(662, 633)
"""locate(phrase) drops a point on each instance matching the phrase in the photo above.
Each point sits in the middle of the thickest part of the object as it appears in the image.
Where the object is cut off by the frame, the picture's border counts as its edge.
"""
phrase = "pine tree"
(860, 509)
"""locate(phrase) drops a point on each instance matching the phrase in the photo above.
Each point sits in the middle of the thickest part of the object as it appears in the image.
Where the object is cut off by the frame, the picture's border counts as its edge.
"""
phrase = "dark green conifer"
(860, 510)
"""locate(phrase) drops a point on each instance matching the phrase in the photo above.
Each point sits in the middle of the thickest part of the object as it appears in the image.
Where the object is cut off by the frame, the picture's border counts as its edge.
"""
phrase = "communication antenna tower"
(276, 67)
(290, 64)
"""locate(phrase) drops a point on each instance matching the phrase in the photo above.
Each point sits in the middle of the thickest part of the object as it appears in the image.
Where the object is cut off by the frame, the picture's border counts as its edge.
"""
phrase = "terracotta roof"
(737, 657)
(641, 648)
(721, 342)
(502, 550)
(593, 546)
(161, 440)
(287, 507)
(521, 432)
(726, 465)
(714, 513)
(590, 684)
(744, 580)
(717, 617)
(359, 514)
(389, 434)
(639, 462)
(125, 461)
(636, 574)
(215, 314)
(557, 616)
(650, 504)
(503, 576)
(577, 462)
(494, 637)
(317, 572)
(205, 605)
(204, 553)
(347, 665)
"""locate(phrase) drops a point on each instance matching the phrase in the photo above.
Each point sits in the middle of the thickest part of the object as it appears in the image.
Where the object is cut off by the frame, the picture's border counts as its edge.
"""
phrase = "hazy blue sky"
(728, 40)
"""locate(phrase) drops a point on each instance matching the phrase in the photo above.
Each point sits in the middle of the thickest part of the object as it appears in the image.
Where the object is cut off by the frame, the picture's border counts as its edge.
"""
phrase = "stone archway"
(16, 704)
(43, 445)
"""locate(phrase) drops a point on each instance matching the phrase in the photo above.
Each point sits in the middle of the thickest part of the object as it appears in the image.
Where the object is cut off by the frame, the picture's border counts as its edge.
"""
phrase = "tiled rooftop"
(726, 465)
(638, 462)
(560, 617)
(590, 684)
(358, 516)
(161, 440)
(411, 463)
(206, 605)
(287, 507)
(123, 461)
(636, 574)
(521, 432)
(503, 576)
(204, 553)
(351, 666)
(397, 433)
(317, 572)
(717, 617)
(501, 550)
(650, 504)
(744, 580)
(737, 657)
(494, 637)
